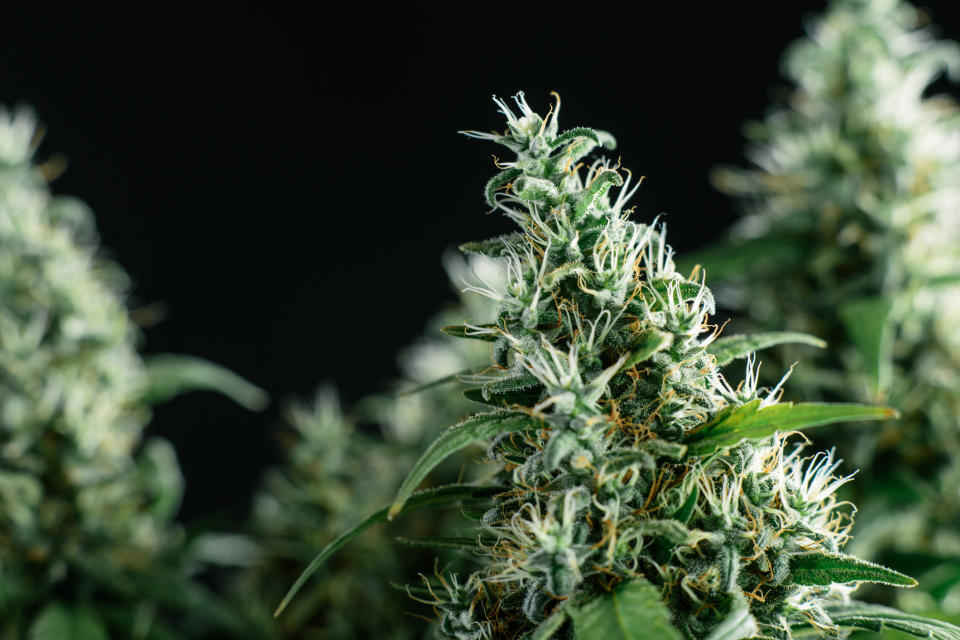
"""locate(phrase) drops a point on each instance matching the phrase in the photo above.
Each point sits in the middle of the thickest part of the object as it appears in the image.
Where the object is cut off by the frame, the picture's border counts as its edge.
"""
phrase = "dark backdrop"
(285, 182)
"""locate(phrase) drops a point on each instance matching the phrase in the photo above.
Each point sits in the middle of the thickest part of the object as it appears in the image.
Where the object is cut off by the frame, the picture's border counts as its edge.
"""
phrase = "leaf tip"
(395, 509)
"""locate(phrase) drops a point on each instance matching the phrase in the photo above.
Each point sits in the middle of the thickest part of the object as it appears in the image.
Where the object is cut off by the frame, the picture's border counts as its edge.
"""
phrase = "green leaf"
(461, 331)
(57, 622)
(441, 381)
(492, 248)
(598, 186)
(169, 588)
(461, 543)
(730, 348)
(631, 611)
(426, 498)
(647, 344)
(743, 260)
(686, 509)
(537, 189)
(498, 181)
(738, 624)
(477, 427)
(169, 375)
(572, 134)
(823, 569)
(867, 323)
(736, 423)
(546, 629)
(550, 280)
(875, 617)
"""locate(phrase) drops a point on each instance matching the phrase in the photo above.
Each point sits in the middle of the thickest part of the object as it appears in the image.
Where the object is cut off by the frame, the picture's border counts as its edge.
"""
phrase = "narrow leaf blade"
(169, 375)
(460, 331)
(648, 344)
(728, 349)
(477, 427)
(750, 421)
(738, 624)
(874, 617)
(429, 497)
(551, 625)
(868, 324)
(824, 569)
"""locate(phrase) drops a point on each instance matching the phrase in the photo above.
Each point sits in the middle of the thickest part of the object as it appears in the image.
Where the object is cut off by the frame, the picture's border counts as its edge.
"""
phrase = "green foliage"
(631, 611)
(877, 618)
(754, 420)
(730, 348)
(338, 469)
(852, 234)
(642, 495)
(78, 486)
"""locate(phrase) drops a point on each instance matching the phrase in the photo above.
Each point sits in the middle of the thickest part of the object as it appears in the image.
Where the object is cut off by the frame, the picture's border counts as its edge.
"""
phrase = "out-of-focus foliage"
(87, 544)
(630, 491)
(852, 233)
(336, 472)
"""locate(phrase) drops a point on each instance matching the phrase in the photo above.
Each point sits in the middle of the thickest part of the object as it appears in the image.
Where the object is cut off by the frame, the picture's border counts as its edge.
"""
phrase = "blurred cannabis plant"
(853, 234)
(630, 491)
(335, 469)
(88, 548)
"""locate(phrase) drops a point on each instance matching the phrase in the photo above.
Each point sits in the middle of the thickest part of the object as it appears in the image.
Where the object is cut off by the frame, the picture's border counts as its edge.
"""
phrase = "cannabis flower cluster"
(87, 542)
(631, 483)
(853, 234)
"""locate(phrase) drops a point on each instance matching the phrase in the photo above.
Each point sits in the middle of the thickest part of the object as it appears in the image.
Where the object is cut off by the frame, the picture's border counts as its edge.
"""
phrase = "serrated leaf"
(728, 349)
(631, 611)
(169, 375)
(477, 427)
(426, 498)
(599, 186)
(737, 423)
(58, 622)
(647, 344)
(875, 617)
(496, 182)
(461, 331)
(738, 624)
(823, 569)
(867, 323)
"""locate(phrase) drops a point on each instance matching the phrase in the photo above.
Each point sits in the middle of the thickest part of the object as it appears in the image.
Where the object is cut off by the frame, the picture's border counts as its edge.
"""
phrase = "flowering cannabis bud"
(86, 507)
(630, 489)
(853, 234)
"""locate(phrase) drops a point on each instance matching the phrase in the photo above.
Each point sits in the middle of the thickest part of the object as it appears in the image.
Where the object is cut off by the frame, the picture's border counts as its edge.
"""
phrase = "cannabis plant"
(87, 543)
(335, 468)
(630, 490)
(853, 234)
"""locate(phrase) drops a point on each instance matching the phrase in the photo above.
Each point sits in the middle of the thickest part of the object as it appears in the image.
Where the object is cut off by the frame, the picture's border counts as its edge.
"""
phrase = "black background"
(285, 181)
